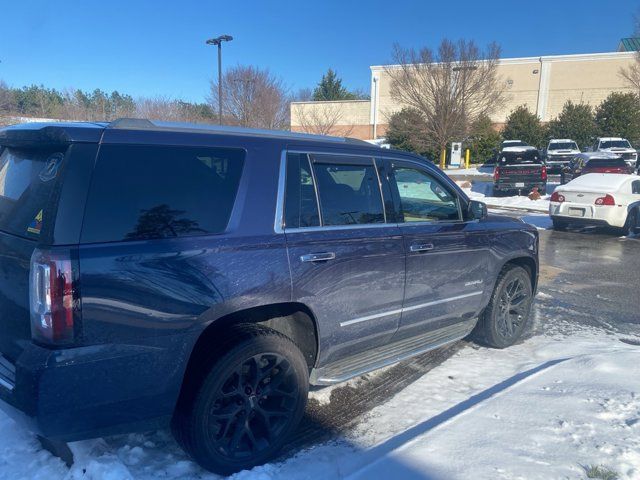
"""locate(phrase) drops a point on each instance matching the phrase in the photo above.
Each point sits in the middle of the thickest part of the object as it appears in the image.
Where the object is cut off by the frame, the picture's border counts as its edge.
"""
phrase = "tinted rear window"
(517, 158)
(606, 162)
(349, 194)
(146, 192)
(29, 182)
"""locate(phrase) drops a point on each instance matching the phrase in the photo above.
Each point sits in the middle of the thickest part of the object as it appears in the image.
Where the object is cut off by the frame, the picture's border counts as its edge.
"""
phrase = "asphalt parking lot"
(588, 278)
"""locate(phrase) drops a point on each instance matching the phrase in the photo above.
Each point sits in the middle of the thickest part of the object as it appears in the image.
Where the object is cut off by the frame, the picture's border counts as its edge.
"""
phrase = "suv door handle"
(317, 257)
(421, 247)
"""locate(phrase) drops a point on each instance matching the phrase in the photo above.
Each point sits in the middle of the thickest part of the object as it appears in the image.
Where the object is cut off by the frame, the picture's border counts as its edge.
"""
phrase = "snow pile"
(469, 172)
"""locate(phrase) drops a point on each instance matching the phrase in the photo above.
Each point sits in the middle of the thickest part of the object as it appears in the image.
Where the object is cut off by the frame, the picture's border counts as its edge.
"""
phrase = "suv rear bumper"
(511, 186)
(92, 391)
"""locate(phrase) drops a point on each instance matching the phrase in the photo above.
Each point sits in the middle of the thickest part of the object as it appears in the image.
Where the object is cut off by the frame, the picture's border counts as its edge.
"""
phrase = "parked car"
(618, 146)
(202, 277)
(519, 169)
(611, 200)
(594, 162)
(559, 153)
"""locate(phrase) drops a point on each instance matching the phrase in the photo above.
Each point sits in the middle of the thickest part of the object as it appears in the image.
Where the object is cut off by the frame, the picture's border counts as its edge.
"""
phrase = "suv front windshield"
(615, 144)
(562, 146)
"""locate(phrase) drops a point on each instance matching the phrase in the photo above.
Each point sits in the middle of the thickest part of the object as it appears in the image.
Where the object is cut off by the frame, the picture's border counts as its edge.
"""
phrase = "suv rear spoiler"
(50, 134)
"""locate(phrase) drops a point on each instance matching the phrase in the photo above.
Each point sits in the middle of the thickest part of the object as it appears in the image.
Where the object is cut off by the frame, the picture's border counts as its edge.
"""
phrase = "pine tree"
(619, 116)
(484, 139)
(407, 131)
(525, 125)
(330, 88)
(575, 122)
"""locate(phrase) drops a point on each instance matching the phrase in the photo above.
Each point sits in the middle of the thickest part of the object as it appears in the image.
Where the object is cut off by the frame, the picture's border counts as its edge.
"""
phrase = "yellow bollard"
(467, 158)
(443, 159)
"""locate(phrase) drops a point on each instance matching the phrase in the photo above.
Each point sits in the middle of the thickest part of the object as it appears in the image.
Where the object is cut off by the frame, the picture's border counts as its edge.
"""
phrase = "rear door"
(347, 263)
(447, 257)
(42, 191)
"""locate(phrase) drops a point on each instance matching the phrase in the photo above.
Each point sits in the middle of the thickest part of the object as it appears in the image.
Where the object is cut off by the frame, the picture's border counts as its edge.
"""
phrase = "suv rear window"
(517, 158)
(145, 192)
(348, 193)
(29, 180)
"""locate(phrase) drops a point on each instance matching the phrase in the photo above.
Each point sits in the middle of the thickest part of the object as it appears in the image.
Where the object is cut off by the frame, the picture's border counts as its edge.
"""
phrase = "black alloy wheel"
(513, 309)
(247, 404)
(504, 319)
(252, 406)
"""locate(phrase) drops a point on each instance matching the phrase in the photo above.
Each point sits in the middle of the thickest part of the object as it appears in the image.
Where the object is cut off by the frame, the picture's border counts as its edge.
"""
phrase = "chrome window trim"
(278, 226)
(410, 308)
(384, 207)
(315, 186)
(340, 227)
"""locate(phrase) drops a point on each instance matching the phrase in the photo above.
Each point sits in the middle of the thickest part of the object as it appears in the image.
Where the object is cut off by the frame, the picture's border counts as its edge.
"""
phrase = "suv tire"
(246, 407)
(501, 324)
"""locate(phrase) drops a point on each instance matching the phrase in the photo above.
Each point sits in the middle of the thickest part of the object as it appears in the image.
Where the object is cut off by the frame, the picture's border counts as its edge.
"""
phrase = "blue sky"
(145, 47)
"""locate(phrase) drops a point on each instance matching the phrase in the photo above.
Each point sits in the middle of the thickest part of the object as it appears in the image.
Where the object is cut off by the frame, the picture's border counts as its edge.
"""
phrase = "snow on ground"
(546, 408)
(469, 172)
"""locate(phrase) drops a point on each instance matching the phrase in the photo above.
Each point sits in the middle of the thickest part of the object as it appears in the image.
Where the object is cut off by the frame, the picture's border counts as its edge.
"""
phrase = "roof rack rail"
(133, 123)
(145, 124)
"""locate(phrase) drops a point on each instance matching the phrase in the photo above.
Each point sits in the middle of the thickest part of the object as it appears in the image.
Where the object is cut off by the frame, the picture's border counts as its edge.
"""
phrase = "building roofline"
(542, 58)
(314, 102)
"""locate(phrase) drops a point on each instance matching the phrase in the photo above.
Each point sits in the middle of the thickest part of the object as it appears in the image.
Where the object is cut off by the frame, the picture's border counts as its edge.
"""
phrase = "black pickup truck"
(519, 169)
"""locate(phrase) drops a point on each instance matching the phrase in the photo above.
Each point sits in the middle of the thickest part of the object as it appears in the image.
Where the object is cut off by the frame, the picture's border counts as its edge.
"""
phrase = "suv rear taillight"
(557, 197)
(607, 200)
(54, 297)
(544, 173)
(496, 173)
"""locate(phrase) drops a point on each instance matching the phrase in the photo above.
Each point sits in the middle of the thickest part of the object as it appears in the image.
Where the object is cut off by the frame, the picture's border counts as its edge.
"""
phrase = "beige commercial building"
(544, 84)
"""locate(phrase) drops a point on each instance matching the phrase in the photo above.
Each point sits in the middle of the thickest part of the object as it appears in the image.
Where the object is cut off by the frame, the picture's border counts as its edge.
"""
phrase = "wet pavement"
(591, 277)
(588, 278)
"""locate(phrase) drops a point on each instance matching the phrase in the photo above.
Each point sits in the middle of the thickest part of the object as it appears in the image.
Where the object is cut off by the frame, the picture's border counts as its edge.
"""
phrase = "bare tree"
(168, 109)
(158, 108)
(451, 88)
(303, 95)
(6, 98)
(631, 74)
(252, 97)
(321, 118)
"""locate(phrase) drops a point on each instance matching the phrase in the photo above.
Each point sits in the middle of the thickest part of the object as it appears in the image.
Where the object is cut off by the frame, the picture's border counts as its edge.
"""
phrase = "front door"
(447, 259)
(347, 263)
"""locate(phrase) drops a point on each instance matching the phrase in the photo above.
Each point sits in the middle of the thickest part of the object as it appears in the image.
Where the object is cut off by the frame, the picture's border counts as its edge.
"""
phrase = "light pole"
(218, 41)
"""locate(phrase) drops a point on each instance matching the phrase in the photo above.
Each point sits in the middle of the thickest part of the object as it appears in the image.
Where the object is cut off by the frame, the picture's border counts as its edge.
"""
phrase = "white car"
(605, 199)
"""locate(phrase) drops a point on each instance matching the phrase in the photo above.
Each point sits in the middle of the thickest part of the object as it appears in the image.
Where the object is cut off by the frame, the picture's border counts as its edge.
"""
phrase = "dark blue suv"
(156, 275)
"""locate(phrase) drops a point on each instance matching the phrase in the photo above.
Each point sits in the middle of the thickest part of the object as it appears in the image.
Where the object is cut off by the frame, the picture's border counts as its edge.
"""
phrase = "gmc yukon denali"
(201, 278)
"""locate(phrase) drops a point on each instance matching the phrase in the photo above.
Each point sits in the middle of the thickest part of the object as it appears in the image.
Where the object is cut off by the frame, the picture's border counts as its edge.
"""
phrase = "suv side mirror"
(477, 210)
